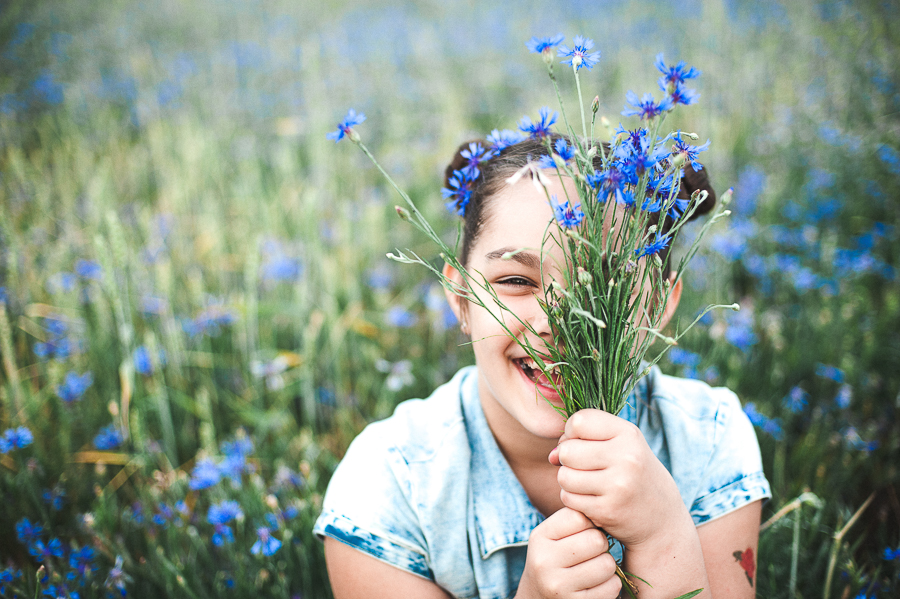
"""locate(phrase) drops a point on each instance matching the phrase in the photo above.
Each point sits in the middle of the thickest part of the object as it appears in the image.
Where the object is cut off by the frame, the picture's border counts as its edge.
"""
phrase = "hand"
(609, 473)
(568, 557)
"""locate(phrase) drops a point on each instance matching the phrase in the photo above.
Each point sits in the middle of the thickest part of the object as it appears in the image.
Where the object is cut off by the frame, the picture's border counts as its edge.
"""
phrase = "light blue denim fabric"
(428, 490)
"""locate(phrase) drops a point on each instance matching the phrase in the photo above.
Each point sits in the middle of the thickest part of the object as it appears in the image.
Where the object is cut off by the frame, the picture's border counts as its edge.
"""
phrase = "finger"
(594, 424)
(554, 453)
(592, 573)
(581, 482)
(584, 455)
(606, 590)
(564, 523)
(581, 547)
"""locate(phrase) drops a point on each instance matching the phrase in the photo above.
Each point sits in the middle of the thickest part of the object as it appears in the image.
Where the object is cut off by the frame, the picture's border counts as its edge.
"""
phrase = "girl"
(485, 490)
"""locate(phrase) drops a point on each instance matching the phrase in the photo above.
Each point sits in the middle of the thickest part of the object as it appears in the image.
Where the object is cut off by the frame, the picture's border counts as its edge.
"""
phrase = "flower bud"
(548, 55)
(670, 341)
(652, 229)
(657, 261)
(595, 105)
(693, 136)
(584, 277)
(592, 152)
(595, 355)
(736, 307)
(402, 212)
(353, 135)
(679, 159)
(726, 197)
(559, 162)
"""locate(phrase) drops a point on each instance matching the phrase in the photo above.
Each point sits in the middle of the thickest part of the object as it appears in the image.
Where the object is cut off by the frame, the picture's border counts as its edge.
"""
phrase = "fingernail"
(554, 455)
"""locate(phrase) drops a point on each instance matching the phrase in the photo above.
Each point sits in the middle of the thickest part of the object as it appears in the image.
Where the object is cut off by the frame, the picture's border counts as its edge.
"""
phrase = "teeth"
(530, 363)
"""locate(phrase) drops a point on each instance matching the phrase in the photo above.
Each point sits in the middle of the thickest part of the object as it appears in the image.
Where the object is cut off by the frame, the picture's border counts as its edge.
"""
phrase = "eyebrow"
(523, 257)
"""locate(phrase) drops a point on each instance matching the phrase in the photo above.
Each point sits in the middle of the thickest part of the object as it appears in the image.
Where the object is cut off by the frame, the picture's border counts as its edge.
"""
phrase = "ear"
(674, 298)
(457, 304)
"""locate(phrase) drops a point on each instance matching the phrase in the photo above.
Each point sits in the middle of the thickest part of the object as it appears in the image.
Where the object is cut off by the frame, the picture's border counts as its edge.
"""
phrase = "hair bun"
(693, 181)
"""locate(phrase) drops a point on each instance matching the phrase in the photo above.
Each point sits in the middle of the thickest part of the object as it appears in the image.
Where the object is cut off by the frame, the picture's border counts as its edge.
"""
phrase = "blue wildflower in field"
(832, 373)
(459, 193)
(681, 147)
(117, 578)
(399, 317)
(345, 127)
(658, 244)
(55, 498)
(142, 362)
(205, 474)
(891, 158)
(266, 544)
(15, 438)
(82, 563)
(540, 128)
(42, 551)
(108, 438)
(380, 278)
(61, 282)
(475, 155)
(796, 400)
(844, 396)
(28, 532)
(674, 75)
(58, 344)
(222, 535)
(772, 427)
(164, 514)
(88, 269)
(235, 464)
(224, 512)
(580, 55)
(500, 140)
(646, 108)
(891, 554)
(566, 214)
(7, 577)
(544, 45)
(74, 386)
(740, 331)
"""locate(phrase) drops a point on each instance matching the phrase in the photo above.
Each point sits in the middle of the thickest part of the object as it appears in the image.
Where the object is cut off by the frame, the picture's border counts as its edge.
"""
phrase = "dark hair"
(495, 172)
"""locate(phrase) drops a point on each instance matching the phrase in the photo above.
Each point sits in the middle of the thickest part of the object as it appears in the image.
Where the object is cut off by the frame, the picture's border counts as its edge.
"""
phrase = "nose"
(540, 321)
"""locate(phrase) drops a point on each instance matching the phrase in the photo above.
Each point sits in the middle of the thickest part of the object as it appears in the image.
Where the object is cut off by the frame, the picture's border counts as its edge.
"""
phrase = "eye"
(516, 282)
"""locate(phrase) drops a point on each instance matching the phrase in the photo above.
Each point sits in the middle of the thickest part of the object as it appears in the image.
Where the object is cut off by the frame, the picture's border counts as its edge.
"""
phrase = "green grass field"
(197, 308)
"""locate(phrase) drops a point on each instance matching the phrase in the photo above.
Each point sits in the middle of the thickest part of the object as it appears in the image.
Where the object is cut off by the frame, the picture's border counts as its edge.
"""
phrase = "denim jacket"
(428, 490)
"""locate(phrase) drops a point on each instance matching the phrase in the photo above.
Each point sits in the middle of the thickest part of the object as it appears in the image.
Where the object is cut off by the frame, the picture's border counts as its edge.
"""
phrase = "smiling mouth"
(536, 375)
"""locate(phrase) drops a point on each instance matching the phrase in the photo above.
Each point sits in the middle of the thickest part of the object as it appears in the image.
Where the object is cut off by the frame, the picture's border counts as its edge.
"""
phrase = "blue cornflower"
(646, 108)
(831, 373)
(500, 140)
(610, 182)
(566, 214)
(688, 151)
(579, 56)
(658, 244)
(163, 515)
(61, 281)
(74, 386)
(844, 396)
(82, 562)
(224, 512)
(206, 474)
(683, 357)
(682, 95)
(266, 544)
(773, 428)
(796, 400)
(398, 317)
(674, 75)
(89, 269)
(891, 554)
(740, 330)
(8, 576)
(26, 532)
(475, 155)
(15, 438)
(345, 127)
(41, 551)
(108, 438)
(564, 150)
(222, 535)
(459, 193)
(117, 577)
(142, 362)
(544, 45)
(756, 419)
(242, 446)
(541, 128)
(55, 498)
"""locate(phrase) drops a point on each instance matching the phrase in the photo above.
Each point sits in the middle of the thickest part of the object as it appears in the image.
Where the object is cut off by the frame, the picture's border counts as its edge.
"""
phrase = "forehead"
(518, 216)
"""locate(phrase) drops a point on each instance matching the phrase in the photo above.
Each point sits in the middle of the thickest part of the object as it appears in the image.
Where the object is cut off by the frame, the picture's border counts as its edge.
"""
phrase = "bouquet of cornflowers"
(608, 310)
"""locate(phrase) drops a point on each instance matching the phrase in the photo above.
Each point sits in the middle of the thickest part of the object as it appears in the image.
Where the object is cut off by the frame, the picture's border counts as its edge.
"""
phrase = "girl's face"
(519, 221)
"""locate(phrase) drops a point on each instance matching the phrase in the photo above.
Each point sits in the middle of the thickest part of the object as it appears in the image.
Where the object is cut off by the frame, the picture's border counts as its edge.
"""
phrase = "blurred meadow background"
(197, 315)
